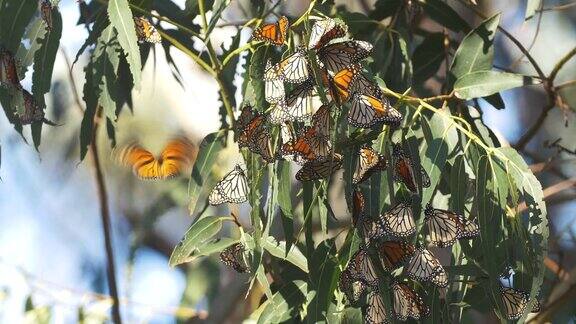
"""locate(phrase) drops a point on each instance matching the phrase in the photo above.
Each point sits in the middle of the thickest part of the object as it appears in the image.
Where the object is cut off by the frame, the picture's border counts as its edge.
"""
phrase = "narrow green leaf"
(278, 250)
(459, 181)
(99, 25)
(107, 60)
(428, 57)
(445, 15)
(120, 17)
(35, 35)
(257, 64)
(476, 51)
(323, 272)
(211, 145)
(36, 129)
(284, 191)
(212, 247)
(485, 83)
(284, 304)
(531, 7)
(45, 56)
(196, 236)
(91, 100)
(433, 162)
(14, 17)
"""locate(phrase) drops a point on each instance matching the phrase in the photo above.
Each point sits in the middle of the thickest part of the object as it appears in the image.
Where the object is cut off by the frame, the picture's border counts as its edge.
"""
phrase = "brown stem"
(103, 200)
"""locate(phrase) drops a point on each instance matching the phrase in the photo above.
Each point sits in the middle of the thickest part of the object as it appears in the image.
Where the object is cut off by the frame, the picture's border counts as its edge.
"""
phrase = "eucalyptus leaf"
(485, 83)
(120, 17)
(14, 17)
(445, 15)
(278, 250)
(45, 56)
(196, 237)
(282, 306)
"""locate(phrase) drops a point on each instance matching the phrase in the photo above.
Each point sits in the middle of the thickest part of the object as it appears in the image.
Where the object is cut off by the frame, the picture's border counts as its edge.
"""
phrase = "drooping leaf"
(196, 236)
(428, 57)
(284, 191)
(476, 51)
(34, 35)
(45, 56)
(385, 8)
(278, 250)
(434, 159)
(284, 304)
(459, 183)
(100, 24)
(14, 17)
(106, 61)
(211, 145)
(485, 83)
(91, 99)
(445, 15)
(323, 272)
(120, 17)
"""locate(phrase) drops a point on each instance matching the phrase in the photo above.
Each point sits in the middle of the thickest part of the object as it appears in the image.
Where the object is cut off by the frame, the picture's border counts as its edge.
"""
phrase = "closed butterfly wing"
(273, 84)
(376, 310)
(33, 112)
(274, 33)
(8, 69)
(316, 170)
(324, 31)
(46, 13)
(424, 266)
(369, 161)
(295, 69)
(398, 221)
(338, 56)
(233, 188)
(341, 82)
(394, 254)
(407, 303)
(404, 170)
(233, 257)
(361, 268)
(321, 121)
(145, 31)
(367, 111)
(514, 302)
(353, 289)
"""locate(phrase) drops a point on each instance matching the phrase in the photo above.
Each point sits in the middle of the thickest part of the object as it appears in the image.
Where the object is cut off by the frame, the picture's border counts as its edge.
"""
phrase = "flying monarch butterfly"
(376, 309)
(367, 111)
(294, 68)
(398, 221)
(233, 257)
(46, 13)
(325, 30)
(321, 120)
(310, 146)
(175, 159)
(233, 188)
(369, 161)
(445, 227)
(301, 102)
(316, 170)
(274, 33)
(254, 134)
(407, 303)
(353, 289)
(338, 56)
(361, 268)
(394, 254)
(424, 266)
(273, 84)
(404, 170)
(145, 31)
(515, 302)
(8, 69)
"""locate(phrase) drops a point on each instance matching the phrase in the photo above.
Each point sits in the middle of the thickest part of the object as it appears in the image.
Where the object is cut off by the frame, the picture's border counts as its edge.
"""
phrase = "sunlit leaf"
(278, 250)
(485, 83)
(120, 17)
(323, 271)
(281, 307)
(196, 237)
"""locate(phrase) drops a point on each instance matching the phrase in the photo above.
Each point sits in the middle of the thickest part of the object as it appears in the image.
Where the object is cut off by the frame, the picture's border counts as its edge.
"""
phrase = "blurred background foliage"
(52, 261)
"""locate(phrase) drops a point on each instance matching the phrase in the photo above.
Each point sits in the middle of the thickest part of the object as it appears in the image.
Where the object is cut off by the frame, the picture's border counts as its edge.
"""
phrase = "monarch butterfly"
(254, 134)
(46, 13)
(369, 161)
(404, 170)
(394, 254)
(233, 257)
(398, 221)
(301, 102)
(342, 81)
(375, 309)
(33, 112)
(353, 289)
(515, 302)
(338, 56)
(233, 188)
(274, 33)
(407, 303)
(145, 31)
(425, 266)
(273, 84)
(361, 268)
(310, 145)
(445, 227)
(176, 157)
(367, 111)
(324, 31)
(8, 69)
(369, 229)
(294, 68)
(315, 170)
(321, 120)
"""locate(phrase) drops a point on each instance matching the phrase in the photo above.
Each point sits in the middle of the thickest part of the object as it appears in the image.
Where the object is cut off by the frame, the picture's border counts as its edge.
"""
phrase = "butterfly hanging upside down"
(175, 159)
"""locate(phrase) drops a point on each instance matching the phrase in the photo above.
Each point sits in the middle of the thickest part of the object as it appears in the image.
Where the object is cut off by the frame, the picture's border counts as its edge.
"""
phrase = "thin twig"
(559, 8)
(103, 200)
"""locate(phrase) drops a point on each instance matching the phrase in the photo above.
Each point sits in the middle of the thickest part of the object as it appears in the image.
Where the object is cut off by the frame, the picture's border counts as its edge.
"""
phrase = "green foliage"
(485, 83)
(120, 17)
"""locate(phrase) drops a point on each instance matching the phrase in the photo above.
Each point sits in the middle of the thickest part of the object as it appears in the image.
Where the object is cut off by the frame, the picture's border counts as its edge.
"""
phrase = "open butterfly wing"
(294, 68)
(398, 221)
(142, 162)
(176, 158)
(274, 33)
(233, 188)
(316, 170)
(407, 303)
(338, 56)
(424, 266)
(324, 31)
(301, 102)
(376, 310)
(394, 254)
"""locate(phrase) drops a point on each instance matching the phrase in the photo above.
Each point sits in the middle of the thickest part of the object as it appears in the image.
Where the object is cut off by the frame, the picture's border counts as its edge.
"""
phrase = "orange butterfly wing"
(176, 158)
(142, 162)
(405, 173)
(342, 82)
(273, 33)
(393, 254)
